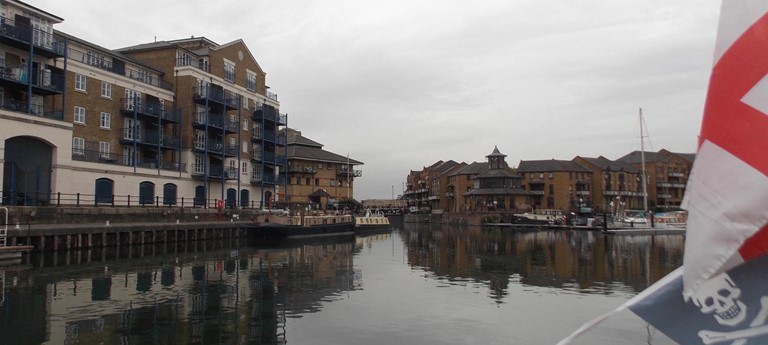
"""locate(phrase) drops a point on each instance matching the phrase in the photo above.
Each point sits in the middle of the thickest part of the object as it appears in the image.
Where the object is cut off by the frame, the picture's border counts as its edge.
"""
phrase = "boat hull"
(284, 231)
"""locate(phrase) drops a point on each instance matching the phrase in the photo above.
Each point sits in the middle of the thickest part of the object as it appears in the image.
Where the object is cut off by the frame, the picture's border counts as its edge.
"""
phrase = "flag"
(720, 294)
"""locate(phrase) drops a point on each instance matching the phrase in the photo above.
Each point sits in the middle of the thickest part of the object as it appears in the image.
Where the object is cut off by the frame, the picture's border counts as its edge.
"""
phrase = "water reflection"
(582, 261)
(225, 293)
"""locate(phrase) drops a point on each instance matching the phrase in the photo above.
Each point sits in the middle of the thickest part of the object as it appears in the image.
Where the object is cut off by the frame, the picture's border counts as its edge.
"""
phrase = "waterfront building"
(499, 188)
(438, 185)
(318, 177)
(615, 182)
(667, 176)
(557, 184)
(459, 183)
(231, 132)
(419, 192)
(184, 122)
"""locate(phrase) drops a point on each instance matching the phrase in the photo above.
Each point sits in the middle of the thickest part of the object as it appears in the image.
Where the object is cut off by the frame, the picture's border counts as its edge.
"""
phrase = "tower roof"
(495, 153)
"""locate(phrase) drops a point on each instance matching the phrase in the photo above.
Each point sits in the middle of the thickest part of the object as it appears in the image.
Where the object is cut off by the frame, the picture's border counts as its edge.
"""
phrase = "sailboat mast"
(642, 164)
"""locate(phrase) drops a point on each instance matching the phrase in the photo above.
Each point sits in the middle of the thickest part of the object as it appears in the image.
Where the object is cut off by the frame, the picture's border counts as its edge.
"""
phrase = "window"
(298, 180)
(78, 146)
(319, 165)
(105, 120)
(250, 82)
(317, 182)
(183, 59)
(551, 175)
(233, 142)
(307, 181)
(104, 149)
(245, 146)
(79, 115)
(245, 102)
(80, 82)
(244, 168)
(245, 125)
(229, 71)
(106, 89)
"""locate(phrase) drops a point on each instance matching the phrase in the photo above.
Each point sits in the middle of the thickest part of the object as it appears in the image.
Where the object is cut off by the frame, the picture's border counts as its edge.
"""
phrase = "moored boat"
(372, 221)
(302, 226)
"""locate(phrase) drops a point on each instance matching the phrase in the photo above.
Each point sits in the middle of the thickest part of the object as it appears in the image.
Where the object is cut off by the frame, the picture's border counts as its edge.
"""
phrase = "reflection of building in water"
(563, 259)
(214, 297)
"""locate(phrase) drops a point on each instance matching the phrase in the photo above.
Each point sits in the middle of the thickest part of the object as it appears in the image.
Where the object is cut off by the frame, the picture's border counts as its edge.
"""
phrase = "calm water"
(417, 285)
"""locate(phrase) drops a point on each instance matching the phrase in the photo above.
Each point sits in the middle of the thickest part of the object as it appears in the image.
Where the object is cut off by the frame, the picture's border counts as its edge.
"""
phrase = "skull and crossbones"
(720, 296)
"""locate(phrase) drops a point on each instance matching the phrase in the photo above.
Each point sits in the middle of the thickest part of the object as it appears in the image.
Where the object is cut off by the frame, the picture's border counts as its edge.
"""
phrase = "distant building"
(438, 185)
(459, 183)
(316, 176)
(613, 182)
(557, 184)
(498, 189)
(423, 187)
(667, 176)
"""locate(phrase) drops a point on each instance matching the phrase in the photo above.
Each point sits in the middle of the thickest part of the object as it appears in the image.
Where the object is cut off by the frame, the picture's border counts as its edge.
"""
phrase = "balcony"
(214, 147)
(214, 172)
(270, 114)
(670, 185)
(36, 110)
(270, 95)
(94, 156)
(675, 174)
(149, 109)
(622, 193)
(537, 192)
(302, 169)
(216, 121)
(664, 196)
(45, 81)
(349, 172)
(21, 35)
(117, 67)
(150, 138)
(582, 192)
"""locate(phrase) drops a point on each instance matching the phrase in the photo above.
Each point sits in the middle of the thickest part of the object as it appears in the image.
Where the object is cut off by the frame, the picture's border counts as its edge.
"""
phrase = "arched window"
(200, 196)
(231, 196)
(104, 191)
(169, 194)
(244, 196)
(146, 193)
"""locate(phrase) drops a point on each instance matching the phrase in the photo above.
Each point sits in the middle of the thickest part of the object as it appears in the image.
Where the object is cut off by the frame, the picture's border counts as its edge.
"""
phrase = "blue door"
(104, 191)
(169, 194)
(146, 193)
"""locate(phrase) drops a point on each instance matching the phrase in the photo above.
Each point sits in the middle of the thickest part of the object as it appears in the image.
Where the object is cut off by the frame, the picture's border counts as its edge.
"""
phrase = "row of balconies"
(149, 137)
(214, 147)
(45, 80)
(118, 67)
(216, 121)
(622, 193)
(219, 95)
(153, 109)
(23, 35)
(670, 185)
(96, 156)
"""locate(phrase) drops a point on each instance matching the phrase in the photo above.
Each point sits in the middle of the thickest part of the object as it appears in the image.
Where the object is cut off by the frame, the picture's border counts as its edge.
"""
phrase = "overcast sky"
(401, 84)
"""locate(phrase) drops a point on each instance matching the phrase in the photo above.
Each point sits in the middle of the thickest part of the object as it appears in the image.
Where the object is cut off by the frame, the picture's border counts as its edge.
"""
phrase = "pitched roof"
(319, 155)
(606, 164)
(549, 165)
(635, 157)
(474, 168)
(496, 153)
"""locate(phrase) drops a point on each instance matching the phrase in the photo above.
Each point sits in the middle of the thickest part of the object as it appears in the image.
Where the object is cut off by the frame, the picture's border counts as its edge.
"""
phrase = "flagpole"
(642, 163)
(348, 172)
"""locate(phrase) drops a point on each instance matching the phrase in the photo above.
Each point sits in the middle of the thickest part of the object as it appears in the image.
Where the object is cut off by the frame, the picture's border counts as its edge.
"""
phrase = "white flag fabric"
(720, 294)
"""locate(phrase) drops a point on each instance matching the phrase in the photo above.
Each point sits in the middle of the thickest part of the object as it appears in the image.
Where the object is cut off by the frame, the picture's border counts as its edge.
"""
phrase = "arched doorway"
(231, 195)
(27, 171)
(244, 195)
(146, 193)
(267, 202)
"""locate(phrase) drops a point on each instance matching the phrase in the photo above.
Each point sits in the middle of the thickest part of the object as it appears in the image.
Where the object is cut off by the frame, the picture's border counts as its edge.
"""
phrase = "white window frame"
(78, 146)
(251, 76)
(80, 82)
(105, 151)
(105, 120)
(106, 89)
(245, 146)
(245, 125)
(79, 115)
(229, 71)
(244, 168)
